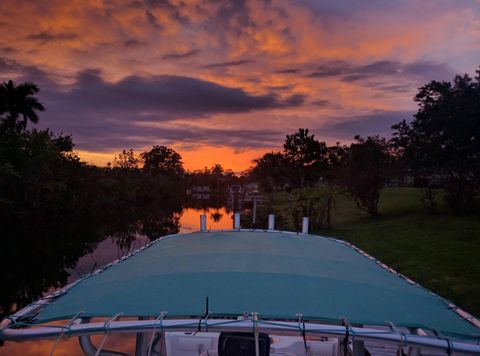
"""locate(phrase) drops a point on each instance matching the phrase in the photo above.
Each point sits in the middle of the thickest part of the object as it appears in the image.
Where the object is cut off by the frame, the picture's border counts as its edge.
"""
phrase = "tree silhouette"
(163, 160)
(272, 171)
(126, 160)
(363, 170)
(19, 100)
(305, 154)
(442, 143)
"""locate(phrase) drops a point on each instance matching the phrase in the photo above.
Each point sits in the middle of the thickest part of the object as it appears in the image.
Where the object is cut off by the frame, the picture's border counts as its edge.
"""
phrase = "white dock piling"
(203, 222)
(236, 221)
(305, 225)
(271, 222)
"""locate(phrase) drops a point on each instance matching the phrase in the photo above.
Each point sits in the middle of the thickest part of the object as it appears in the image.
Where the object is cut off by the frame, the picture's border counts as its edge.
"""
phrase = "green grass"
(441, 252)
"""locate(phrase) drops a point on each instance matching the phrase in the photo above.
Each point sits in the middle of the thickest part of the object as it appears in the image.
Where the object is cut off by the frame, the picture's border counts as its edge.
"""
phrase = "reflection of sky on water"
(190, 219)
(121, 342)
(108, 251)
(105, 252)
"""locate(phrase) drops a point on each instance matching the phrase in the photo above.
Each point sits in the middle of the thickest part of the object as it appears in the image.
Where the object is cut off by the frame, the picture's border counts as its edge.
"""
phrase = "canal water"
(109, 250)
(43, 271)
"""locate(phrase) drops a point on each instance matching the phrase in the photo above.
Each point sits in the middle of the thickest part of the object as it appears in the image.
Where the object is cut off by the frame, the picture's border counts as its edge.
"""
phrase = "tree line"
(439, 150)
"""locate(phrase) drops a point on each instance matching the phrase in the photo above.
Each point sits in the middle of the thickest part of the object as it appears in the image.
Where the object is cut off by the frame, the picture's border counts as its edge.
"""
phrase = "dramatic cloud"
(152, 19)
(180, 55)
(377, 123)
(227, 64)
(321, 103)
(348, 72)
(136, 110)
(46, 36)
(330, 69)
(231, 74)
(133, 136)
(421, 70)
(288, 71)
(133, 43)
(168, 94)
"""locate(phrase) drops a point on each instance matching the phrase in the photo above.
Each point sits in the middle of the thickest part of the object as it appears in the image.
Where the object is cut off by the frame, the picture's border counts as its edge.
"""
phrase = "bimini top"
(275, 274)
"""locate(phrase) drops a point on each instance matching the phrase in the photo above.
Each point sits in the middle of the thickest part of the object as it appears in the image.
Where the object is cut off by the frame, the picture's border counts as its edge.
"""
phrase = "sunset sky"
(225, 81)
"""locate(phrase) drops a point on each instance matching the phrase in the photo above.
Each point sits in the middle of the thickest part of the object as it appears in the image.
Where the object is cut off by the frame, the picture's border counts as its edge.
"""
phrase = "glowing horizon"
(192, 159)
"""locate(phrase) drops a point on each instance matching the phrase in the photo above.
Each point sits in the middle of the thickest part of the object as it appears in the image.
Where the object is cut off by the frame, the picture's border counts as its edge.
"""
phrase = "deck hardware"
(160, 319)
(107, 331)
(346, 340)
(207, 313)
(67, 326)
(403, 336)
(450, 347)
(302, 328)
(255, 332)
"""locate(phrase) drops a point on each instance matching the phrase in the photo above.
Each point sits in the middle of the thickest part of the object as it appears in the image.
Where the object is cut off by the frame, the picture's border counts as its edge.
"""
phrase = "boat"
(249, 292)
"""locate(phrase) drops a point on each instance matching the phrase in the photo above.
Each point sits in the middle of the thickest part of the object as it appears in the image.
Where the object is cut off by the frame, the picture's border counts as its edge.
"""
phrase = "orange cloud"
(264, 48)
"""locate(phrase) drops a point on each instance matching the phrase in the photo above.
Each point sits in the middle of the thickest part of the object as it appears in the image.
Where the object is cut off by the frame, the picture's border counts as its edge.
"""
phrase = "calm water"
(54, 266)
(108, 250)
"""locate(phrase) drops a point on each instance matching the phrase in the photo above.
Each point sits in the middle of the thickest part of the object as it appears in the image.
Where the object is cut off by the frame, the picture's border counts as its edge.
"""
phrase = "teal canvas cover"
(275, 274)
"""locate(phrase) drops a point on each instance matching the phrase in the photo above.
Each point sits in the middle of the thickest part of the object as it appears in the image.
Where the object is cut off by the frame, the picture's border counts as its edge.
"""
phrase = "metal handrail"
(278, 328)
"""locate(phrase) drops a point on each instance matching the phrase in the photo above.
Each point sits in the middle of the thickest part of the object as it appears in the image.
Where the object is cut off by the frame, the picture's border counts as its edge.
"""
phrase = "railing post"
(271, 222)
(203, 222)
(236, 221)
(305, 225)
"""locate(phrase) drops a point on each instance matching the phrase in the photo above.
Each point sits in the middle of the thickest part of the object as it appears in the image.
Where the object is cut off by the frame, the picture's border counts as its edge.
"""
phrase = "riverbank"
(441, 252)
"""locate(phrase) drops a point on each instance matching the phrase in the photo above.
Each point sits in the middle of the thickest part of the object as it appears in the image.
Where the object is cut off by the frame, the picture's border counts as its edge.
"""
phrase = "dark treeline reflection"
(55, 209)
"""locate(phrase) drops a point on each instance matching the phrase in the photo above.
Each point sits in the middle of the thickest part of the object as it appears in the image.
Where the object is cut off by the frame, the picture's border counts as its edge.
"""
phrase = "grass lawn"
(441, 252)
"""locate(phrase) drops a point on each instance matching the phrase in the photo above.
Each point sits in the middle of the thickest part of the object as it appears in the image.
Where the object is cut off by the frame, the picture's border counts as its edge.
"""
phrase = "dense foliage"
(363, 171)
(162, 160)
(441, 146)
(304, 155)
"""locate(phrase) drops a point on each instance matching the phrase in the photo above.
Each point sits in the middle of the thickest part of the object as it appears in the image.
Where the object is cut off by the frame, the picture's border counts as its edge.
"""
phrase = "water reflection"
(113, 247)
(217, 218)
(124, 343)
(48, 254)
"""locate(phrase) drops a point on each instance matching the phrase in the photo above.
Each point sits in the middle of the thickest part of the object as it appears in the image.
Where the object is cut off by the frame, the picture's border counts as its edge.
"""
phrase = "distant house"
(200, 189)
(245, 195)
(235, 188)
(201, 192)
(253, 186)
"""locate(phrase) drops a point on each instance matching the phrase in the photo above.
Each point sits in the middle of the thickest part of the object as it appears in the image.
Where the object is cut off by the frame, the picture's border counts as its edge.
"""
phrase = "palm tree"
(19, 100)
